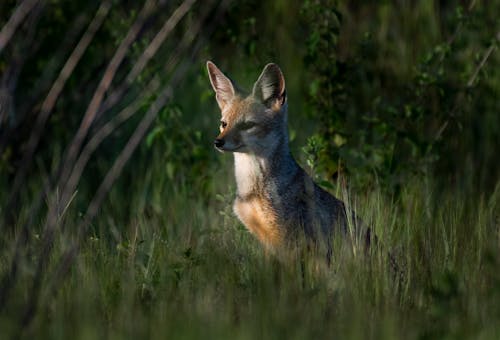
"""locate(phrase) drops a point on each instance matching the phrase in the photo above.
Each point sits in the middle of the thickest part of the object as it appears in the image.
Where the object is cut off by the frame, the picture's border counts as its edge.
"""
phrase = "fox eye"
(247, 125)
(223, 124)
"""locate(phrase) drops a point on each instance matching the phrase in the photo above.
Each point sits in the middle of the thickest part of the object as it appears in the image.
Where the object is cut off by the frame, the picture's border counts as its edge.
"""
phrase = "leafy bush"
(391, 117)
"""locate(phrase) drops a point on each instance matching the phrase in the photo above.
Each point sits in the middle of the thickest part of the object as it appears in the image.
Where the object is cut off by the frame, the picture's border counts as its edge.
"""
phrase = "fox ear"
(270, 87)
(222, 85)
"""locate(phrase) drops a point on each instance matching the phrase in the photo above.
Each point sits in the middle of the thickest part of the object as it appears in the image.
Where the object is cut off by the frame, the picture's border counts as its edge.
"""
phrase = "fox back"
(276, 200)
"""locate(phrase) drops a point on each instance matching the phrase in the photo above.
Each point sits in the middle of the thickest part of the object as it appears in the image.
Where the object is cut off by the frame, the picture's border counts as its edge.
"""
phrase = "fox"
(276, 200)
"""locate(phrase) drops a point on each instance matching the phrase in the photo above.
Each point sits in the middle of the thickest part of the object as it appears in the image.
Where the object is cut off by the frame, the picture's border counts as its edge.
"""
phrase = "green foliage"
(178, 143)
(399, 120)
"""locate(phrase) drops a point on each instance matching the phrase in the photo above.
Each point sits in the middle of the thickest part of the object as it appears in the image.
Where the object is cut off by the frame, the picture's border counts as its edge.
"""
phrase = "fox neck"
(264, 173)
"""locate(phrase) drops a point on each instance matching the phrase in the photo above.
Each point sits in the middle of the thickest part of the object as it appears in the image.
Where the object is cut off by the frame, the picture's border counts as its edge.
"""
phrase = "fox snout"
(231, 143)
(219, 143)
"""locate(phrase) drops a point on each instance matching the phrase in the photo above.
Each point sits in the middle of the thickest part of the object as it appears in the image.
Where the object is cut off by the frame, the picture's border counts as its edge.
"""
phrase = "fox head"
(254, 123)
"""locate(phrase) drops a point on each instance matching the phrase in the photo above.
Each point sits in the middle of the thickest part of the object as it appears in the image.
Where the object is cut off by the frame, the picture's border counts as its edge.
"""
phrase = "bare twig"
(132, 144)
(15, 20)
(460, 25)
(469, 84)
(104, 132)
(52, 69)
(69, 256)
(131, 109)
(481, 65)
(148, 53)
(51, 221)
(9, 279)
(53, 95)
(97, 98)
(107, 78)
(10, 76)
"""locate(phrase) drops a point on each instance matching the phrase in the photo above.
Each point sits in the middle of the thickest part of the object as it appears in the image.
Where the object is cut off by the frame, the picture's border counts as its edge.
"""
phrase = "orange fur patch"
(257, 216)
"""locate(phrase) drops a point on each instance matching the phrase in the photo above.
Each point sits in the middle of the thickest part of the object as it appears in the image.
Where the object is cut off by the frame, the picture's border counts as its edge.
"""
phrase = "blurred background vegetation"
(400, 99)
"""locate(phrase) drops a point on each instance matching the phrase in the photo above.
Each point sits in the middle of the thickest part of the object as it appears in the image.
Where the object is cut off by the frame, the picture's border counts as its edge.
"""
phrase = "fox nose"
(219, 143)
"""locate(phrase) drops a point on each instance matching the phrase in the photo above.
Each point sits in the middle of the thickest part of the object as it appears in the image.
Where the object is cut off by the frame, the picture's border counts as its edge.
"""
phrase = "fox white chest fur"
(247, 171)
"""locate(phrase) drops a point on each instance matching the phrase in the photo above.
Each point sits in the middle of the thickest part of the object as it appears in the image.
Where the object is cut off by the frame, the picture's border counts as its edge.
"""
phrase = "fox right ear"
(270, 87)
(222, 85)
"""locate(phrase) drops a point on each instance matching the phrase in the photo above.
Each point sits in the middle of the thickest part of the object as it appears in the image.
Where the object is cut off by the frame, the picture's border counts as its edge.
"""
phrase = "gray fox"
(276, 199)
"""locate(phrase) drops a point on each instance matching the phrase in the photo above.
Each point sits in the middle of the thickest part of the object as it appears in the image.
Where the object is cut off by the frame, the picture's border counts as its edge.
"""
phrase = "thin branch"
(67, 259)
(108, 76)
(48, 105)
(104, 132)
(481, 65)
(51, 70)
(51, 220)
(53, 95)
(15, 20)
(10, 76)
(131, 109)
(98, 96)
(469, 84)
(107, 183)
(148, 53)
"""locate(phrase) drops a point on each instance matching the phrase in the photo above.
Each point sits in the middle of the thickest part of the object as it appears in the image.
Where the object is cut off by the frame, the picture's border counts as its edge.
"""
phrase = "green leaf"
(155, 133)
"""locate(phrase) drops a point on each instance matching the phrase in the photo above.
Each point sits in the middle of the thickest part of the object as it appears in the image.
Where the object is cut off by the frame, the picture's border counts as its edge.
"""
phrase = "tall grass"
(178, 265)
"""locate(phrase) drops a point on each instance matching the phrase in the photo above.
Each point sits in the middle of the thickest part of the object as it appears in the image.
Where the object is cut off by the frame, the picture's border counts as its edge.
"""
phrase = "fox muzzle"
(219, 143)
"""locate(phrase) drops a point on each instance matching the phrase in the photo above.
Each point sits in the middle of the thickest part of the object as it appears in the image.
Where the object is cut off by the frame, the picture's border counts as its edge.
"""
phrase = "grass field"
(180, 266)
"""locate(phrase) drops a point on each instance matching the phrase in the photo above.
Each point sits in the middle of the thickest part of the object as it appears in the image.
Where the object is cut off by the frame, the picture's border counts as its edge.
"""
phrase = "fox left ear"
(222, 85)
(270, 87)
